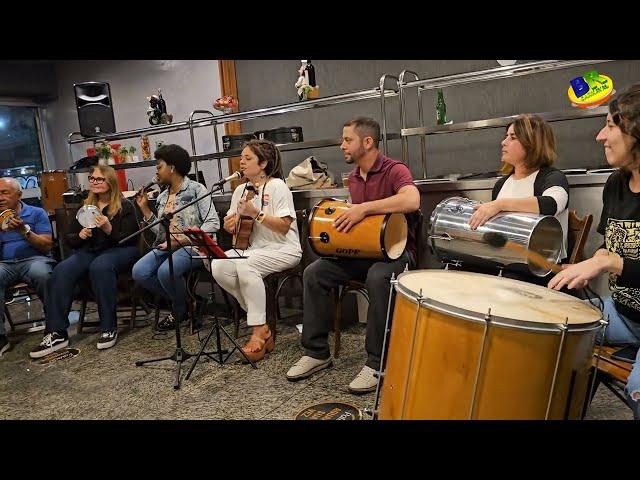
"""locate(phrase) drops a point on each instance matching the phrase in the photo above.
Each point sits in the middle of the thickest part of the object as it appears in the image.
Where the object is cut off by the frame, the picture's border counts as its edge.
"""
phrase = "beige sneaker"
(364, 381)
(307, 366)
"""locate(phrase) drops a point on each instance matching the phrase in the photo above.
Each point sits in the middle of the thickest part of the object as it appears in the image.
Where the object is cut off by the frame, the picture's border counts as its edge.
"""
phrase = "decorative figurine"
(157, 110)
(306, 84)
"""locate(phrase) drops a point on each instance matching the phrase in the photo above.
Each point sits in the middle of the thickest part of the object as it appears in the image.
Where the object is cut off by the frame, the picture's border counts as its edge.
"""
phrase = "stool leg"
(83, 310)
(8, 315)
(134, 307)
(589, 398)
(337, 303)
(157, 313)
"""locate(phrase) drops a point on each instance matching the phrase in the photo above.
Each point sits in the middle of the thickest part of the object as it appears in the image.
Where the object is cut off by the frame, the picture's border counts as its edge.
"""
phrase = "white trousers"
(242, 278)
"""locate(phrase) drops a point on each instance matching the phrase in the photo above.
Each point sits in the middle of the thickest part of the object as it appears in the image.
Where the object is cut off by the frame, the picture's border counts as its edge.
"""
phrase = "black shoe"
(4, 344)
(107, 339)
(169, 322)
(50, 343)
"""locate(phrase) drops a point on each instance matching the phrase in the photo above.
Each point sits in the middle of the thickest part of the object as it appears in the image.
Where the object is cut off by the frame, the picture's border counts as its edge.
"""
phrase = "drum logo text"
(348, 251)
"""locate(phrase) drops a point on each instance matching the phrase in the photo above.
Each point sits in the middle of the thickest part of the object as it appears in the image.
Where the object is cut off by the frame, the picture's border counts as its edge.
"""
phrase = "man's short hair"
(365, 127)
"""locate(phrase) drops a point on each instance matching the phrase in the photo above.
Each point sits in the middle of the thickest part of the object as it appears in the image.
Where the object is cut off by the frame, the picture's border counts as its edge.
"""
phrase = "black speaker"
(95, 110)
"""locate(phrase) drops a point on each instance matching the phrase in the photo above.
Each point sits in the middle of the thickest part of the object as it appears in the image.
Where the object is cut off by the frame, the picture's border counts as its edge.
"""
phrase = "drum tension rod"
(563, 327)
(603, 325)
(324, 237)
(374, 411)
(487, 321)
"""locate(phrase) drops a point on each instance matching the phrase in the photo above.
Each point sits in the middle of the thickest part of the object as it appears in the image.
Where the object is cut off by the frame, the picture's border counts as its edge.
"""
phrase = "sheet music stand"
(212, 251)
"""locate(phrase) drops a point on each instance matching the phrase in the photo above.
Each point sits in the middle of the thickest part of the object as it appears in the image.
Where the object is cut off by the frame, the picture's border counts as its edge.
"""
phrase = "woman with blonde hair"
(98, 254)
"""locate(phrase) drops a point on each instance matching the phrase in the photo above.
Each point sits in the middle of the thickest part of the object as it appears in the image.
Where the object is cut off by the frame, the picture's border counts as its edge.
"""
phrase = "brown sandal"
(257, 347)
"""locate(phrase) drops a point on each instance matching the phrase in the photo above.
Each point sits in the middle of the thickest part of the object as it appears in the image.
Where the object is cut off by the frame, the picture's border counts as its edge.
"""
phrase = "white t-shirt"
(523, 188)
(274, 199)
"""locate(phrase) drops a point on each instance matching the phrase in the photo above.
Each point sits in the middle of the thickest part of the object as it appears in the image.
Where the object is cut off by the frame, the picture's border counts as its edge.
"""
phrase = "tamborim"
(5, 216)
(86, 216)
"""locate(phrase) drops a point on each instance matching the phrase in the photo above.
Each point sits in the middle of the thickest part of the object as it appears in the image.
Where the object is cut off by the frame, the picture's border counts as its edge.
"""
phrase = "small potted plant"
(105, 156)
(127, 154)
(131, 157)
(124, 154)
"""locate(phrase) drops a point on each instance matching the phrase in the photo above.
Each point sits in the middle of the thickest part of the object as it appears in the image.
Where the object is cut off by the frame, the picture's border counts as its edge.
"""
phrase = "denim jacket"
(202, 214)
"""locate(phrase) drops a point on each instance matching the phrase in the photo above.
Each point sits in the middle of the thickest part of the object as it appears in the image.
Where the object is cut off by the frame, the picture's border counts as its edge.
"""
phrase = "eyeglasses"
(96, 180)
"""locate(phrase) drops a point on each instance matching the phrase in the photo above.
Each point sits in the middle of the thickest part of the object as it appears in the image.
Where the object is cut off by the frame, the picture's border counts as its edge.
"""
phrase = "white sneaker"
(307, 366)
(364, 381)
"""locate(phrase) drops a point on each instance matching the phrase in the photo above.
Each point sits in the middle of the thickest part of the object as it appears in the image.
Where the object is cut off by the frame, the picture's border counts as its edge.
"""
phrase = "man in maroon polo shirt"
(377, 185)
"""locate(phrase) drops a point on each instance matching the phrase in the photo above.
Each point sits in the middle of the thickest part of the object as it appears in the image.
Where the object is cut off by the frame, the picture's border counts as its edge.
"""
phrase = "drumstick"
(500, 241)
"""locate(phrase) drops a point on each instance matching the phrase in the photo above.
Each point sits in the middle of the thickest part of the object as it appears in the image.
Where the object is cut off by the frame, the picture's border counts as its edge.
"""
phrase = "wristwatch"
(260, 217)
(27, 230)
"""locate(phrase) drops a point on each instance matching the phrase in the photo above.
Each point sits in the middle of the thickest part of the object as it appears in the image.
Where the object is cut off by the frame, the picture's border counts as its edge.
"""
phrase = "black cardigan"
(547, 177)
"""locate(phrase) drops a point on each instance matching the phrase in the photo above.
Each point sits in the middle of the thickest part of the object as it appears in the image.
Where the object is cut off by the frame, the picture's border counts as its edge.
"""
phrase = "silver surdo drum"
(453, 240)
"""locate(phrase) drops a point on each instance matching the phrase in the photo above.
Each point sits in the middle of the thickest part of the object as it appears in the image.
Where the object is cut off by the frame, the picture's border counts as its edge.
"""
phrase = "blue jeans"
(621, 330)
(35, 271)
(103, 269)
(152, 272)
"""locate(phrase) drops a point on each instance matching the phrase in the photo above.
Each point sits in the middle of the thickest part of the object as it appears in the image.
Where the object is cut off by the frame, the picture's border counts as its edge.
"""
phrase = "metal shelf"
(504, 121)
(497, 73)
(285, 147)
(475, 77)
(372, 94)
(120, 166)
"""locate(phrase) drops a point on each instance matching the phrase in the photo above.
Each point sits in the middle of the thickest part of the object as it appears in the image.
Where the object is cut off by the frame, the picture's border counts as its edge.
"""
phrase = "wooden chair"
(14, 291)
(125, 280)
(274, 282)
(22, 288)
(610, 372)
(577, 235)
(358, 286)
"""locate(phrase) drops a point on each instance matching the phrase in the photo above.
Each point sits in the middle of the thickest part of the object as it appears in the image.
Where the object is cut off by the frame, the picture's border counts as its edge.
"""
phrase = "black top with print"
(620, 225)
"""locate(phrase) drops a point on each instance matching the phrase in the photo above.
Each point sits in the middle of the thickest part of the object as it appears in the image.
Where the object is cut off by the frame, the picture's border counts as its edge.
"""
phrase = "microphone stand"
(179, 355)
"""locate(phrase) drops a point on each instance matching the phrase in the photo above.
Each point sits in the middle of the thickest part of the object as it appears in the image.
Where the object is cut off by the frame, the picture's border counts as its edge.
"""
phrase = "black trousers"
(323, 275)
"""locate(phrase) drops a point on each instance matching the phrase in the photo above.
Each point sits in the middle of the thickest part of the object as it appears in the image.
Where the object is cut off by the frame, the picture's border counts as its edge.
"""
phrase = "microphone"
(235, 176)
(153, 182)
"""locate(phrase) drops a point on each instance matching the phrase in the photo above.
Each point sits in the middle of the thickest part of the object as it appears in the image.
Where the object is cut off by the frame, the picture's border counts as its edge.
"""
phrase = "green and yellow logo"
(590, 90)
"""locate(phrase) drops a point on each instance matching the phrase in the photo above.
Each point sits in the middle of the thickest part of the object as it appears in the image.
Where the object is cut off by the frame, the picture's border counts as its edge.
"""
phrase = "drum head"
(465, 293)
(5, 216)
(86, 216)
(395, 235)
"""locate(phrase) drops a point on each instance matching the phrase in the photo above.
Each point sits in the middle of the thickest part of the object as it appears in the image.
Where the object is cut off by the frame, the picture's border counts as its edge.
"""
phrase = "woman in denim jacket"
(152, 270)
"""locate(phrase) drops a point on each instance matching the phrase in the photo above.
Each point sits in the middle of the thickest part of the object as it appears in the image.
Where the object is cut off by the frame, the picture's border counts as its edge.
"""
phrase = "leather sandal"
(257, 347)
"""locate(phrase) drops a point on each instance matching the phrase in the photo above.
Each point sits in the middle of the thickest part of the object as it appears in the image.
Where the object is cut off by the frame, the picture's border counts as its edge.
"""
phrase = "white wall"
(186, 85)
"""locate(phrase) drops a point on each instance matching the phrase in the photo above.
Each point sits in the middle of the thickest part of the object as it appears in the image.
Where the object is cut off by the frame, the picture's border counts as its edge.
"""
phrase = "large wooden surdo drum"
(473, 346)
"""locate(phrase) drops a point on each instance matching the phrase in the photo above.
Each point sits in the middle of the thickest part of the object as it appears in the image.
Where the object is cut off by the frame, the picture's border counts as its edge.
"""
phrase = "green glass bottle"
(441, 109)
